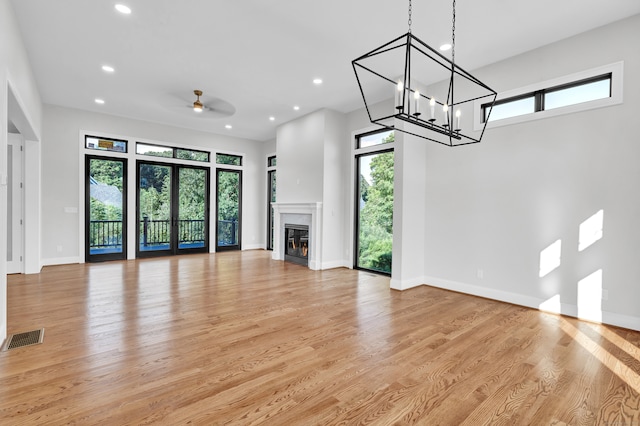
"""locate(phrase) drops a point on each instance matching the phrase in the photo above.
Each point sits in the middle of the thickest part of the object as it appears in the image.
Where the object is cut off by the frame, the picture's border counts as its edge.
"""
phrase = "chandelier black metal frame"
(434, 97)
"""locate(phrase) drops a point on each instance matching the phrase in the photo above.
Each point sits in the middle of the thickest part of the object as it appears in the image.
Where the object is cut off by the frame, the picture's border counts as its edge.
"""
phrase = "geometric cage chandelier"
(433, 97)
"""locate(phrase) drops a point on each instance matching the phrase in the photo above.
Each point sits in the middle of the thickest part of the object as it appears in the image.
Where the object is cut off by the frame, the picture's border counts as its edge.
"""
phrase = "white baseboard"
(610, 318)
(60, 261)
(253, 247)
(335, 264)
(406, 284)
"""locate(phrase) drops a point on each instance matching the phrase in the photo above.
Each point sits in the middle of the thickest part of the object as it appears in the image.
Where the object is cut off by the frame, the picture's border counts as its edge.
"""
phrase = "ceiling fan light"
(197, 105)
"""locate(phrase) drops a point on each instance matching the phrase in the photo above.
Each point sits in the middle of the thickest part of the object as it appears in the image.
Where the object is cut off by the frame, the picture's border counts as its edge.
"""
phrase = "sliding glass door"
(173, 207)
(106, 207)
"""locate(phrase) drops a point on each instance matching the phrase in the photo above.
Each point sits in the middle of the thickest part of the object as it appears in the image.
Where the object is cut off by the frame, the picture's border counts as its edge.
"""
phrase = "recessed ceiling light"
(228, 126)
(123, 9)
(296, 108)
(445, 46)
(272, 118)
(107, 68)
(317, 81)
(99, 101)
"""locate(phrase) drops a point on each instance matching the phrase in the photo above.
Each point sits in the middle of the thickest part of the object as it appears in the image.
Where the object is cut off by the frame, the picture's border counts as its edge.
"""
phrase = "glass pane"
(375, 139)
(578, 94)
(192, 207)
(375, 212)
(234, 160)
(271, 162)
(105, 144)
(154, 150)
(189, 154)
(512, 109)
(155, 207)
(272, 199)
(106, 180)
(228, 207)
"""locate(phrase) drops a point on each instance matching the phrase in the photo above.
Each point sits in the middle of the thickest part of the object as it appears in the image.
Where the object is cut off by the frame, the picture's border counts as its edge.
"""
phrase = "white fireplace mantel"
(309, 214)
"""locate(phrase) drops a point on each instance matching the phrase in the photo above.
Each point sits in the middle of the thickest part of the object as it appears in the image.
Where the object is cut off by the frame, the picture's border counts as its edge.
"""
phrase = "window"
(575, 94)
(105, 144)
(271, 198)
(509, 108)
(372, 139)
(374, 201)
(232, 160)
(554, 97)
(169, 152)
(595, 88)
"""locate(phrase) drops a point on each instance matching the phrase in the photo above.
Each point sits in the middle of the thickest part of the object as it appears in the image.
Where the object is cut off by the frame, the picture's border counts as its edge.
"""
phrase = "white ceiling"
(261, 56)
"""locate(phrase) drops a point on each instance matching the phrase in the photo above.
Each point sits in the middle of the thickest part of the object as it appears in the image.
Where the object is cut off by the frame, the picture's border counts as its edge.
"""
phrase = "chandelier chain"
(410, 11)
(453, 34)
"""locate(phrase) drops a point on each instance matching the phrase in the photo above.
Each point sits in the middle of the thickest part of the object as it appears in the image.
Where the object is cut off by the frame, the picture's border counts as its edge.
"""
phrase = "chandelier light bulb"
(400, 89)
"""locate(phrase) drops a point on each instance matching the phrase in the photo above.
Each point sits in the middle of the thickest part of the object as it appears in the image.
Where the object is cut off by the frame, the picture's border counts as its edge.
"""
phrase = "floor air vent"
(24, 339)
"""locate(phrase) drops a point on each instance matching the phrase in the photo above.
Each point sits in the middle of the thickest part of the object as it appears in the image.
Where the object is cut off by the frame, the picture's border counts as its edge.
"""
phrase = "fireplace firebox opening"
(296, 244)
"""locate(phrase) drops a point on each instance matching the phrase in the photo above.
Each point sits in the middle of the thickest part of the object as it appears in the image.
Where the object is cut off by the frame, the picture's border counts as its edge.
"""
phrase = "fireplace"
(308, 215)
(296, 243)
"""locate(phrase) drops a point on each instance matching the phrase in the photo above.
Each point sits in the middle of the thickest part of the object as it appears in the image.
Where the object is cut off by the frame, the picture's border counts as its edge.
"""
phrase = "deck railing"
(108, 233)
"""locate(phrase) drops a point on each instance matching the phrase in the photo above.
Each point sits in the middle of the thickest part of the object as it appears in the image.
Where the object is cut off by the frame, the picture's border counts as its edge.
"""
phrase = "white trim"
(60, 261)
(335, 264)
(610, 318)
(406, 284)
(617, 78)
(253, 247)
(309, 214)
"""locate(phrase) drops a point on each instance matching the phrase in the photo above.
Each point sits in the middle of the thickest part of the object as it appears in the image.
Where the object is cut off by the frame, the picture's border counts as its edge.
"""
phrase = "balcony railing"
(108, 233)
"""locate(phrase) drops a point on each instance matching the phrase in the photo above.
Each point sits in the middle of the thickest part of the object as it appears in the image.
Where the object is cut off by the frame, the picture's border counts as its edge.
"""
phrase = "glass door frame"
(239, 245)
(271, 176)
(358, 153)
(174, 246)
(87, 234)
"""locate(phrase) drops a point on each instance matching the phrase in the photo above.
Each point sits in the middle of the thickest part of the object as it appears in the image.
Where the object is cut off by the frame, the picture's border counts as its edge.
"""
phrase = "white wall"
(61, 171)
(300, 151)
(336, 181)
(313, 166)
(15, 71)
(496, 205)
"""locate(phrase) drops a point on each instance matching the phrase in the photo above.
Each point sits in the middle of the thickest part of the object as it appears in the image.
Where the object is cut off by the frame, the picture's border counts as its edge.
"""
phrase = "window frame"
(613, 71)
(174, 152)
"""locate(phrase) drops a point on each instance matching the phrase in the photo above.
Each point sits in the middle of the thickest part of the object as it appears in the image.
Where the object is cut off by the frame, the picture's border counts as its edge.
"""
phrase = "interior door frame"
(174, 246)
(87, 209)
(239, 245)
(16, 193)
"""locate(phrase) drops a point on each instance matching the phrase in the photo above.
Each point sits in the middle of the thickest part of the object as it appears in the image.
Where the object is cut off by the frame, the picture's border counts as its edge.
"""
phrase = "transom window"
(171, 152)
(105, 144)
(229, 159)
(573, 93)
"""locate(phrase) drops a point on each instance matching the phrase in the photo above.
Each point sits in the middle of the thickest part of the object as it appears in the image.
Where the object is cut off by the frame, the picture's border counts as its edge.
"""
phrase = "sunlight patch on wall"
(551, 305)
(591, 230)
(550, 258)
(590, 297)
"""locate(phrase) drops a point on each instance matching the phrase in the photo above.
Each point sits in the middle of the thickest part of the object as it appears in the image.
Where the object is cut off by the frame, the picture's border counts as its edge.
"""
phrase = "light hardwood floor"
(236, 338)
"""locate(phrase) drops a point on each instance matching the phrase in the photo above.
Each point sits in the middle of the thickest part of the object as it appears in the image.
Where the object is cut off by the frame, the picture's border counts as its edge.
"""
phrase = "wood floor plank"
(237, 338)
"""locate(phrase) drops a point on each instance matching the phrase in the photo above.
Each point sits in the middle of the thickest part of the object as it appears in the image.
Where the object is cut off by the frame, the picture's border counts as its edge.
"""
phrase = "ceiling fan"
(210, 106)
(197, 105)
